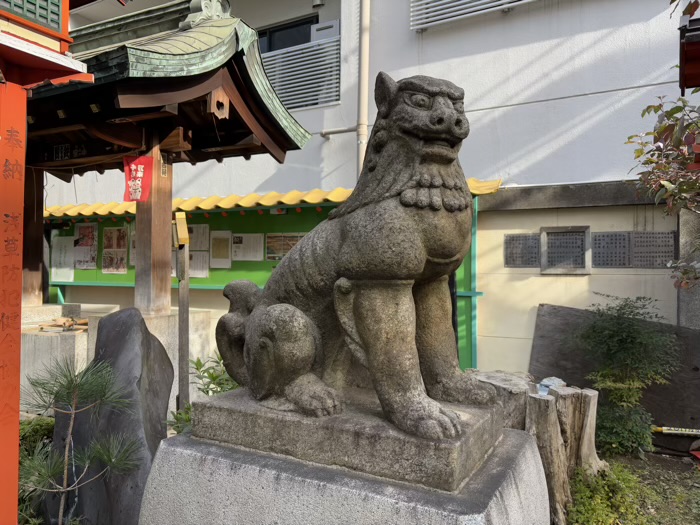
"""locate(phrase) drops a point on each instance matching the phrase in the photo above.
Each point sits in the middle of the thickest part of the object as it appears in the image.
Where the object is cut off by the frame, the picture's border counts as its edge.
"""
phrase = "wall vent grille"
(429, 13)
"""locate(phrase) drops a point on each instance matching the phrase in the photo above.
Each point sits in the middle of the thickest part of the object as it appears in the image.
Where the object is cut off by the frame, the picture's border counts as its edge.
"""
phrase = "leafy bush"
(615, 497)
(35, 431)
(632, 354)
(623, 430)
(181, 421)
(211, 378)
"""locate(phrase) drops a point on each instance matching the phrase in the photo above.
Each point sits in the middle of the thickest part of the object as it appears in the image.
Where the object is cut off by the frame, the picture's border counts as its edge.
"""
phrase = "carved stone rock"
(143, 370)
(368, 288)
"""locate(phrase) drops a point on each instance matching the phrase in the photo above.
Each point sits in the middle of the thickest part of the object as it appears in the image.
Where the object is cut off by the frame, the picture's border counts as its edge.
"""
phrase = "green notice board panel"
(299, 220)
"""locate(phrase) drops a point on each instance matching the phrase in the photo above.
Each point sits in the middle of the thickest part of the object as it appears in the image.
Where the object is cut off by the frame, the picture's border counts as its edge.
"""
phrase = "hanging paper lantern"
(242, 213)
(298, 210)
(224, 214)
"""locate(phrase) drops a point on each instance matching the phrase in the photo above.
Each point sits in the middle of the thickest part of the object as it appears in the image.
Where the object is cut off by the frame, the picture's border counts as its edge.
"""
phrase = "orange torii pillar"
(13, 132)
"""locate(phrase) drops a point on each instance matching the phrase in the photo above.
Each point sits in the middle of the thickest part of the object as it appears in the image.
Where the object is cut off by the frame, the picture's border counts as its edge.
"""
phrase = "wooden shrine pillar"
(154, 237)
(13, 139)
(33, 253)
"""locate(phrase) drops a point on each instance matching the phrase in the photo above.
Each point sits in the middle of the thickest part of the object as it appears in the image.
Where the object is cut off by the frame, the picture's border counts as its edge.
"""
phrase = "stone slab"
(202, 482)
(359, 439)
(41, 350)
(33, 315)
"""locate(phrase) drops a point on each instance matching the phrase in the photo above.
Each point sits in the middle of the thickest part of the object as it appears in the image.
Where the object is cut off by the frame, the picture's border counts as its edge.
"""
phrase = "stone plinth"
(42, 350)
(194, 482)
(45, 313)
(359, 439)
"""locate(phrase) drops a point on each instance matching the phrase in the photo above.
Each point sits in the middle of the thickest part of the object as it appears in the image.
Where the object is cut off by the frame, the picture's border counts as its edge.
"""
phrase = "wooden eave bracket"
(218, 103)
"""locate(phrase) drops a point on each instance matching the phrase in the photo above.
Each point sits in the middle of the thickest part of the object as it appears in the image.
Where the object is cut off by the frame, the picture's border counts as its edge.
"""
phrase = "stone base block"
(45, 313)
(194, 482)
(42, 350)
(360, 438)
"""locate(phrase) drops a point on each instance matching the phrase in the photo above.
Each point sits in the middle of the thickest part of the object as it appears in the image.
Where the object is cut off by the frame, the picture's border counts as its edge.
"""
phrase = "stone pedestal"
(194, 481)
(359, 439)
(249, 463)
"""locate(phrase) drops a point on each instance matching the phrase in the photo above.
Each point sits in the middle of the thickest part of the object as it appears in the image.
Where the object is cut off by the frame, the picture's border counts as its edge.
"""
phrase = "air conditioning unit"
(325, 30)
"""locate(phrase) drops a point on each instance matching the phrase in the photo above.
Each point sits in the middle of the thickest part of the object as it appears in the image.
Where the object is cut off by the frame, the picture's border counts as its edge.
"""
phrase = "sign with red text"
(139, 173)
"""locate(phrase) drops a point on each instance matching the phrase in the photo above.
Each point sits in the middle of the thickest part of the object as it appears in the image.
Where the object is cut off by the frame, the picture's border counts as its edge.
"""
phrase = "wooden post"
(33, 250)
(13, 136)
(153, 238)
(183, 307)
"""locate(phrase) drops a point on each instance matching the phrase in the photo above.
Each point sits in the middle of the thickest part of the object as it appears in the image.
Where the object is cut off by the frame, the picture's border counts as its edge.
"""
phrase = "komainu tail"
(230, 330)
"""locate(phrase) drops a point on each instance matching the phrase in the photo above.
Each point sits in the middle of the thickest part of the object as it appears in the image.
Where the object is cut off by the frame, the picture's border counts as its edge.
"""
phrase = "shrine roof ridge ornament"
(203, 10)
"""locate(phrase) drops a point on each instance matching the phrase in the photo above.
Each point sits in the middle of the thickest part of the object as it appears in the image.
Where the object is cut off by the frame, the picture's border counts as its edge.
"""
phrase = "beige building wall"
(508, 309)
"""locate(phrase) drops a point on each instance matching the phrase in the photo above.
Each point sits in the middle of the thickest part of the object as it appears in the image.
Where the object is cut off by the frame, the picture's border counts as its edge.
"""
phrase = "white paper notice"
(85, 253)
(62, 265)
(247, 246)
(220, 249)
(115, 242)
(199, 236)
(199, 265)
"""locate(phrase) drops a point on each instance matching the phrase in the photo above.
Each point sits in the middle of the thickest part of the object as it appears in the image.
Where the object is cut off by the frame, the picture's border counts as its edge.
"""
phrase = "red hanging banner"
(139, 174)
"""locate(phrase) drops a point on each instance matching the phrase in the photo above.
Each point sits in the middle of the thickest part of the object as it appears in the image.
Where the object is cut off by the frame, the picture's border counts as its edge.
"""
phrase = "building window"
(302, 62)
(286, 35)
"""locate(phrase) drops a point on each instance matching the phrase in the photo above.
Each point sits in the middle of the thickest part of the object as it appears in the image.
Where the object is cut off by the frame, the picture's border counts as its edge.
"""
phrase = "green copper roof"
(206, 46)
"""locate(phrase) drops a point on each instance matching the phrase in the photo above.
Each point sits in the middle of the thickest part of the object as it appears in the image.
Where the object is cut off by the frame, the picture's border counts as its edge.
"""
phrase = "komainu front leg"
(379, 317)
(437, 349)
(280, 350)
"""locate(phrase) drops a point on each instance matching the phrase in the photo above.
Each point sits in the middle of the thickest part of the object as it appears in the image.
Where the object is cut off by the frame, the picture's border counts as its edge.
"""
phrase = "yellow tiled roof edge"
(253, 200)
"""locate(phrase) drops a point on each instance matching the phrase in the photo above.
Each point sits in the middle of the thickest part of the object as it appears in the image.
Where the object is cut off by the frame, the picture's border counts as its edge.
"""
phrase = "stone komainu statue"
(366, 292)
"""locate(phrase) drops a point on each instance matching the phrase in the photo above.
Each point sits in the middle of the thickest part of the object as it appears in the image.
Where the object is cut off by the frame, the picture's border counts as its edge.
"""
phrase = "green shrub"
(623, 430)
(211, 376)
(632, 354)
(35, 431)
(181, 421)
(613, 497)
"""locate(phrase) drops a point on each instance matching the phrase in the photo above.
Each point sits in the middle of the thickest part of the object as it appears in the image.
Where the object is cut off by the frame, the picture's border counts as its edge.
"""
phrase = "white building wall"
(552, 90)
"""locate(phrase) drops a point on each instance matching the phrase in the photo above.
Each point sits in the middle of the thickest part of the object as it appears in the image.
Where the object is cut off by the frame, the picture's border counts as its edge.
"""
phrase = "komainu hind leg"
(280, 350)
